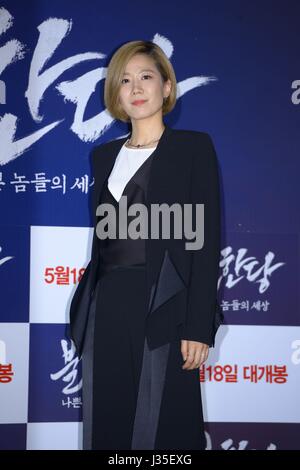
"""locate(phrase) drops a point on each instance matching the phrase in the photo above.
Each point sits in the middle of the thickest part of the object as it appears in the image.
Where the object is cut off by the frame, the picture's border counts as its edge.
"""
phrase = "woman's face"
(142, 81)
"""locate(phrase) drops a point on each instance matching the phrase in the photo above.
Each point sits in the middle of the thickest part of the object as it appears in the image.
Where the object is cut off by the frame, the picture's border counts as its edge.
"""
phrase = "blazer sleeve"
(79, 302)
(203, 313)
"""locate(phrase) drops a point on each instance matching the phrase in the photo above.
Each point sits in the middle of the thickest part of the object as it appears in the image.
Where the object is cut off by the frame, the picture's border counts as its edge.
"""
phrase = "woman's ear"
(167, 87)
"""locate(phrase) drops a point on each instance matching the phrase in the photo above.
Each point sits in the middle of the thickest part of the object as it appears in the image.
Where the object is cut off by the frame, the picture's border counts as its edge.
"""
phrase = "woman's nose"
(136, 86)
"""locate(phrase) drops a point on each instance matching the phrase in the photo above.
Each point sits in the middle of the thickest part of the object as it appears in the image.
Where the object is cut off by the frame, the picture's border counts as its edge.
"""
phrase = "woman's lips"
(138, 102)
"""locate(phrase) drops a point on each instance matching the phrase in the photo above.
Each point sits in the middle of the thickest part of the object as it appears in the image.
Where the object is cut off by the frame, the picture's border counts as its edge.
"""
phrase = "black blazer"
(181, 284)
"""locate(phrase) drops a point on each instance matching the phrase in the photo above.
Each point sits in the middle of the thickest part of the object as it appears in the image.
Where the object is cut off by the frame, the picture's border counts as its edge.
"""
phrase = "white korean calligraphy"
(5, 259)
(52, 32)
(69, 372)
(245, 268)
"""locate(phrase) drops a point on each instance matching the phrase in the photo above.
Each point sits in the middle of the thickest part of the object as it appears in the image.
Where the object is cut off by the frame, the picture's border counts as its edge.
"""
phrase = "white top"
(126, 165)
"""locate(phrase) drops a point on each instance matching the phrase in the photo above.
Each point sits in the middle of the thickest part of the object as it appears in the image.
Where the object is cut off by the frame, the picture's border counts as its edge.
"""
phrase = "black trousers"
(134, 398)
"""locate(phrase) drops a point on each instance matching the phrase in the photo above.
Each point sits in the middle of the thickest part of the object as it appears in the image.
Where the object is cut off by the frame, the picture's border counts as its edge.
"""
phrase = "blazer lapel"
(157, 192)
(158, 172)
(105, 165)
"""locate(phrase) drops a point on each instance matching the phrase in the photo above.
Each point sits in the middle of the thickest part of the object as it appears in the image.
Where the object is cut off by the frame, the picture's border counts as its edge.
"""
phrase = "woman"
(145, 311)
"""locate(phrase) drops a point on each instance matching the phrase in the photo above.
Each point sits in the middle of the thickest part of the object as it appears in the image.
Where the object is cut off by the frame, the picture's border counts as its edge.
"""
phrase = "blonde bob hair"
(116, 69)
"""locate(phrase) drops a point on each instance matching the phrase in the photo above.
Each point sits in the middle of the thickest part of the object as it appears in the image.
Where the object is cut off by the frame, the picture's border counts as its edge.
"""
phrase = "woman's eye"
(122, 81)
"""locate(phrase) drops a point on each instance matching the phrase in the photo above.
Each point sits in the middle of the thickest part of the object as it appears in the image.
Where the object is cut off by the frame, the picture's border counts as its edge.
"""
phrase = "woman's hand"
(194, 353)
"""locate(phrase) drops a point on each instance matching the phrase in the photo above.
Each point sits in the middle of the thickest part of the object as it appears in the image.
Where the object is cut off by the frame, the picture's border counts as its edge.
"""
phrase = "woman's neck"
(149, 136)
